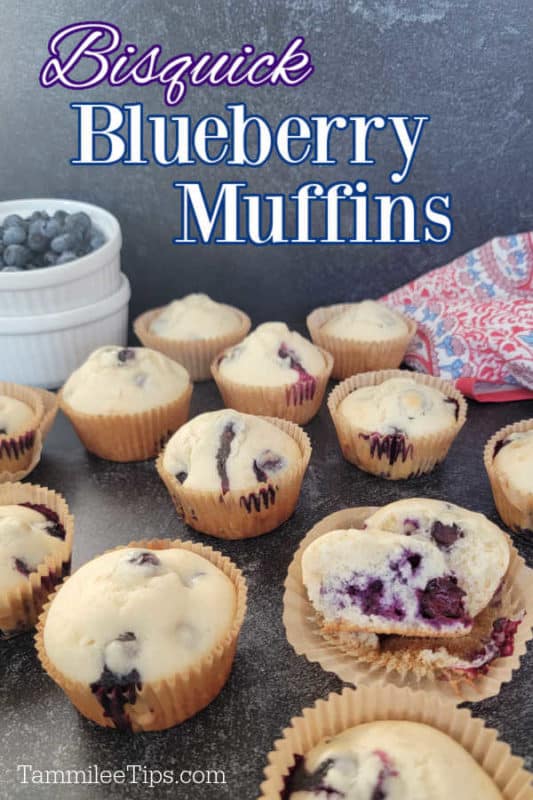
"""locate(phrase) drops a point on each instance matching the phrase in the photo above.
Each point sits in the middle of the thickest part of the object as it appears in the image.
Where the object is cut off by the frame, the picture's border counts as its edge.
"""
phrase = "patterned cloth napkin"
(475, 320)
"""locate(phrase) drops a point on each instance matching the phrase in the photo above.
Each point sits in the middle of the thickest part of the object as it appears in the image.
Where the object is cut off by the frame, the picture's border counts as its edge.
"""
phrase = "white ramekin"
(43, 350)
(52, 289)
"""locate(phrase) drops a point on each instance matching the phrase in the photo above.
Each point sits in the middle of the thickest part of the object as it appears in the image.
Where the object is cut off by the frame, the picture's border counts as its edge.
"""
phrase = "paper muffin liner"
(353, 356)
(195, 355)
(296, 402)
(20, 606)
(20, 453)
(410, 457)
(304, 634)
(129, 437)
(351, 707)
(517, 514)
(161, 704)
(242, 514)
(51, 407)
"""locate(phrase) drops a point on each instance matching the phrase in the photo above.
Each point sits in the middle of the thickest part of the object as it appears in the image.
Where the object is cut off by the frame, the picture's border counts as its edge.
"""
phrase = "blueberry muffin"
(275, 372)
(424, 588)
(389, 759)
(21, 414)
(234, 475)
(361, 336)
(124, 403)
(144, 636)
(192, 331)
(396, 424)
(509, 465)
(36, 532)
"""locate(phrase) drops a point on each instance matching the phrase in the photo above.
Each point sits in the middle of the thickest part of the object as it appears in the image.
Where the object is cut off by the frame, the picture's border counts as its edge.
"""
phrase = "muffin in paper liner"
(404, 457)
(19, 453)
(296, 402)
(195, 355)
(129, 437)
(240, 514)
(351, 355)
(516, 515)
(401, 668)
(158, 705)
(20, 607)
(352, 707)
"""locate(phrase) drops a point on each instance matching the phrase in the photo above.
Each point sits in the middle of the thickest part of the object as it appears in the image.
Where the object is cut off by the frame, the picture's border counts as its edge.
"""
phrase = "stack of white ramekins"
(52, 318)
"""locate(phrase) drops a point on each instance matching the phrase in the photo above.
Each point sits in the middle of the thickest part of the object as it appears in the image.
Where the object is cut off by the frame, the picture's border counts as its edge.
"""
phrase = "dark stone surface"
(116, 503)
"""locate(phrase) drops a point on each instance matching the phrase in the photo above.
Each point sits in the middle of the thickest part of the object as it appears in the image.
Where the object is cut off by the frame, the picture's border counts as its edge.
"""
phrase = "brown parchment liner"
(195, 355)
(428, 450)
(303, 630)
(353, 356)
(129, 437)
(352, 707)
(20, 607)
(517, 516)
(13, 467)
(273, 401)
(164, 703)
(225, 515)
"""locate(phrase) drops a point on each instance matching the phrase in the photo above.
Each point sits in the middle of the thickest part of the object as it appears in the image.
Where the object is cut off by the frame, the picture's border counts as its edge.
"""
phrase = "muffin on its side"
(235, 475)
(421, 589)
(361, 336)
(509, 463)
(144, 636)
(396, 424)
(125, 402)
(192, 331)
(36, 531)
(274, 372)
(396, 759)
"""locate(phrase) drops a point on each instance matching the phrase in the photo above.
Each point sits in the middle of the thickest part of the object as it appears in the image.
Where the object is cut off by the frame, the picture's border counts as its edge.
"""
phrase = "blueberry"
(15, 234)
(65, 241)
(445, 535)
(50, 258)
(16, 255)
(442, 598)
(13, 219)
(126, 354)
(66, 256)
(97, 240)
(60, 216)
(52, 228)
(37, 240)
(144, 558)
(79, 223)
(21, 566)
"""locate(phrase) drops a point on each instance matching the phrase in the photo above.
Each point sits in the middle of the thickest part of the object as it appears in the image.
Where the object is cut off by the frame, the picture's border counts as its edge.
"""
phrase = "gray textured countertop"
(115, 503)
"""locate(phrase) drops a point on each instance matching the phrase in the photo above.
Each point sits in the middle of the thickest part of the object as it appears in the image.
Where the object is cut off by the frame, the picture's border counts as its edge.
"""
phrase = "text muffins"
(274, 372)
(396, 424)
(371, 744)
(192, 331)
(234, 475)
(21, 414)
(124, 403)
(36, 531)
(144, 636)
(361, 336)
(419, 592)
(509, 464)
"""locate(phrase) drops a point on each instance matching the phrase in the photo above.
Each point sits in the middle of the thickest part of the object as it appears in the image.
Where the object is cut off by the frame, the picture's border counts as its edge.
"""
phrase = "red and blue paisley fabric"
(475, 320)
